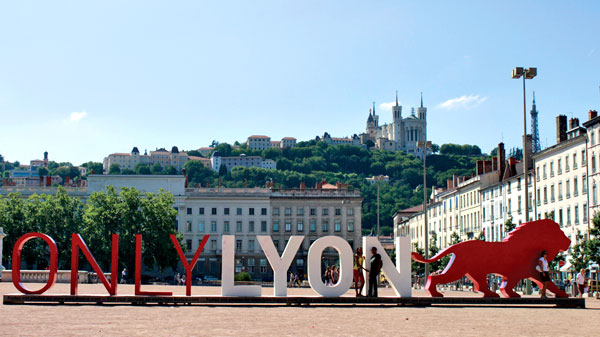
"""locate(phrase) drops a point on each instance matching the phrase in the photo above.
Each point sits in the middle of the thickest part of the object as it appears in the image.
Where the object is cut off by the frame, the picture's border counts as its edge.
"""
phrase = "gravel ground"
(125, 320)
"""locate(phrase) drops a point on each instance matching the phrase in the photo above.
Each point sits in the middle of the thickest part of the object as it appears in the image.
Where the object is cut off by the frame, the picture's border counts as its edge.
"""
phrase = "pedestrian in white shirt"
(581, 282)
(542, 267)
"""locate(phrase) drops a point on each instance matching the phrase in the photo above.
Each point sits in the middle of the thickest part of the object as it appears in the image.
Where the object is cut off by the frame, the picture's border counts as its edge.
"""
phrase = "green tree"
(170, 170)
(114, 169)
(222, 170)
(197, 173)
(127, 171)
(93, 167)
(142, 169)
(42, 171)
(509, 225)
(156, 169)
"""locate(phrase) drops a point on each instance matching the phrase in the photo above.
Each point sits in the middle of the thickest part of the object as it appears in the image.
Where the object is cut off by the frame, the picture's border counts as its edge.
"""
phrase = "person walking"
(124, 276)
(359, 278)
(328, 276)
(291, 284)
(544, 270)
(374, 273)
(581, 282)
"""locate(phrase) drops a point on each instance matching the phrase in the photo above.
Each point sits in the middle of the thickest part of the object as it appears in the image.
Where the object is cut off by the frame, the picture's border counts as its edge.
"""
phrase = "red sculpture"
(514, 258)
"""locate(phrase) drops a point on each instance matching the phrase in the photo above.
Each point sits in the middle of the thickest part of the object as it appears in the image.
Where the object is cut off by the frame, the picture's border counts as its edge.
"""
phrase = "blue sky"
(82, 80)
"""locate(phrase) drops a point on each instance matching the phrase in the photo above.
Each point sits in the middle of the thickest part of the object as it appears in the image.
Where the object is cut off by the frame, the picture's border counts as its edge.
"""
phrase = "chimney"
(454, 180)
(495, 164)
(561, 128)
(302, 186)
(449, 184)
(501, 158)
(592, 114)
(573, 123)
(487, 166)
(479, 167)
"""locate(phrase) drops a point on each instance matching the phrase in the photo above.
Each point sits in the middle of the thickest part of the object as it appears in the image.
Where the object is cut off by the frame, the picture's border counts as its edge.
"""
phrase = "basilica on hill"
(400, 135)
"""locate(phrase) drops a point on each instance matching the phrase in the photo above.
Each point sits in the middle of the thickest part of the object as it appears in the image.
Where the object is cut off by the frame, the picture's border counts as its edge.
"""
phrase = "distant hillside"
(311, 162)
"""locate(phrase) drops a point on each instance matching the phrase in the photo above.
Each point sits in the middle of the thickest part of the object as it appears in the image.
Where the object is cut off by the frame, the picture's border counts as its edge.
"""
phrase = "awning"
(566, 266)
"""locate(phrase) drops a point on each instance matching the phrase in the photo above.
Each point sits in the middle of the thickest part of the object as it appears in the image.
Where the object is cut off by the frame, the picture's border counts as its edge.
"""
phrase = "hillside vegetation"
(311, 162)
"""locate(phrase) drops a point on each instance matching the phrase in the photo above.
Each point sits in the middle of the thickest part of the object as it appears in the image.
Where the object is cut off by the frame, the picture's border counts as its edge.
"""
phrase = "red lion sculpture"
(514, 258)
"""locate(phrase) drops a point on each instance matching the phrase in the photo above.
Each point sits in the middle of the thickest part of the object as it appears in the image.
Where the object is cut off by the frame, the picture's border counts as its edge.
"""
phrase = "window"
(188, 226)
(312, 226)
(350, 226)
(593, 163)
(251, 226)
(338, 211)
(575, 190)
(574, 161)
(560, 217)
(288, 225)
(276, 211)
(238, 211)
(568, 216)
(594, 194)
(545, 195)
(213, 211)
(338, 225)
(568, 188)
(213, 226)
(188, 245)
(263, 266)
(213, 245)
(263, 211)
(226, 226)
(509, 183)
(238, 245)
(552, 193)
(189, 211)
(551, 169)
(238, 226)
(201, 211)
(250, 245)
(313, 211)
(585, 211)
(325, 211)
(325, 226)
(300, 210)
(226, 211)
(288, 211)
(576, 213)
(583, 158)
(263, 226)
(584, 183)
(567, 163)
(275, 225)
(201, 227)
(559, 166)
(300, 226)
(250, 211)
(544, 171)
(560, 190)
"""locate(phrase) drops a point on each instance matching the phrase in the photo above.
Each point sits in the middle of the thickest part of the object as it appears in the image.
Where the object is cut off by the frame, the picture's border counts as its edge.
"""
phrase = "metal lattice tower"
(535, 133)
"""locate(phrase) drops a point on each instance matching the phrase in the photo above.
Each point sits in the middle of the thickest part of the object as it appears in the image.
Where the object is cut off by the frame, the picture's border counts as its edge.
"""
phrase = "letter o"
(314, 266)
(16, 262)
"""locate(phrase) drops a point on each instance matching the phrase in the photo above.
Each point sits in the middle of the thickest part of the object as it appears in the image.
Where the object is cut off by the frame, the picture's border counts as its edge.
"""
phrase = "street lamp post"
(378, 179)
(526, 73)
(425, 145)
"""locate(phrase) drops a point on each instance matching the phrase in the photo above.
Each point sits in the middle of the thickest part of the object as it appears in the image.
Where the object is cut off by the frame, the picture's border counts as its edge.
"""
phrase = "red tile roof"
(288, 138)
(259, 136)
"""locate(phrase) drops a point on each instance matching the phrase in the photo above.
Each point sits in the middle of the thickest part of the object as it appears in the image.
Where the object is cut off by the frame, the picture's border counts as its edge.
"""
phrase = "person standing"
(581, 282)
(291, 284)
(328, 277)
(359, 278)
(334, 275)
(374, 273)
(544, 270)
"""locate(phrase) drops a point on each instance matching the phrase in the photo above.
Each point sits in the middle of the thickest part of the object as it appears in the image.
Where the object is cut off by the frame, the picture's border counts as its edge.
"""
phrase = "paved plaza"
(87, 320)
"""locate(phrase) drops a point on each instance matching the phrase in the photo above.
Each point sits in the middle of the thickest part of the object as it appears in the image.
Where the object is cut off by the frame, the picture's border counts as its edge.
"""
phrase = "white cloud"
(77, 116)
(462, 102)
(387, 106)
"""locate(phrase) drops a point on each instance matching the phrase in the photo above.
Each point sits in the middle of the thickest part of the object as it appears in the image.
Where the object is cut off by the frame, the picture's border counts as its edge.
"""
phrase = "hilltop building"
(161, 156)
(260, 142)
(400, 135)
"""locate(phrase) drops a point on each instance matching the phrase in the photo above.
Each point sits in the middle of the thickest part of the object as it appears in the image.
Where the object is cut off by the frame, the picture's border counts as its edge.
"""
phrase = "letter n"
(78, 243)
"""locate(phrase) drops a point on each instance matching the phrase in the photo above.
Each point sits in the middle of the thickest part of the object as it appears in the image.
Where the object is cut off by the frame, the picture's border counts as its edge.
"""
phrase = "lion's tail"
(419, 258)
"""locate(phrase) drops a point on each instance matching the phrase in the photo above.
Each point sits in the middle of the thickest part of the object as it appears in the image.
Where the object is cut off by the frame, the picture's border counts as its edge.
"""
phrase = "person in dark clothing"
(374, 272)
